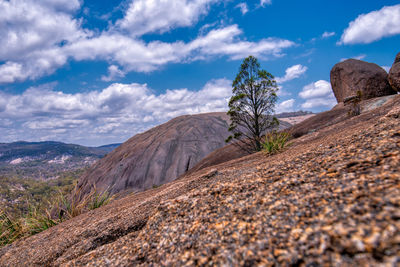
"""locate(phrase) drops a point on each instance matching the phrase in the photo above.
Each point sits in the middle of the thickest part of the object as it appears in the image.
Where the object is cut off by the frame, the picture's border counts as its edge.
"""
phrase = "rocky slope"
(159, 155)
(331, 198)
(302, 124)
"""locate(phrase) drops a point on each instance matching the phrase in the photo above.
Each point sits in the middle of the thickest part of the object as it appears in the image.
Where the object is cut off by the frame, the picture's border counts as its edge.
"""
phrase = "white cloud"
(110, 115)
(139, 56)
(146, 16)
(326, 35)
(243, 8)
(69, 5)
(386, 68)
(11, 72)
(54, 124)
(41, 36)
(292, 73)
(33, 33)
(318, 94)
(285, 106)
(265, 2)
(113, 73)
(359, 57)
(226, 41)
(318, 89)
(373, 26)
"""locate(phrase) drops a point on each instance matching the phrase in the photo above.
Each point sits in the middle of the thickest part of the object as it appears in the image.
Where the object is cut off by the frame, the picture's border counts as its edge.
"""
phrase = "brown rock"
(257, 210)
(353, 75)
(159, 155)
(394, 74)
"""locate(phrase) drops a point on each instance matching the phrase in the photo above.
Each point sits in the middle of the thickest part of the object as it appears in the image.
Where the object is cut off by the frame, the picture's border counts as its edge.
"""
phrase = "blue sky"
(93, 73)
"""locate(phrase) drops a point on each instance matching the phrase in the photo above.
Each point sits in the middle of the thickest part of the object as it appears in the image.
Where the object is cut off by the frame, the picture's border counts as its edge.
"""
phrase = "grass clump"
(76, 203)
(38, 220)
(13, 228)
(63, 206)
(10, 229)
(96, 200)
(275, 142)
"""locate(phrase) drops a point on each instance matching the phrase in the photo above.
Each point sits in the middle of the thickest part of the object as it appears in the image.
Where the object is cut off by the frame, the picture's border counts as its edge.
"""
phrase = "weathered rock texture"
(331, 199)
(394, 74)
(159, 155)
(353, 75)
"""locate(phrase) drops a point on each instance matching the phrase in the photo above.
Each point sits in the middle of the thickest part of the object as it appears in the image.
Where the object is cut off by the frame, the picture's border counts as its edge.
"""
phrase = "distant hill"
(293, 114)
(43, 160)
(108, 148)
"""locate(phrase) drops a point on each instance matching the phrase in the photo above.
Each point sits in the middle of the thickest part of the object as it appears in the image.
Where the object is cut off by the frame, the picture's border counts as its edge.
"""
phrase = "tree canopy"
(252, 105)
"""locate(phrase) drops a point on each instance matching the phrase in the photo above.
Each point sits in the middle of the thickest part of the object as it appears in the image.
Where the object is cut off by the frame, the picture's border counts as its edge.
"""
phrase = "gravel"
(335, 203)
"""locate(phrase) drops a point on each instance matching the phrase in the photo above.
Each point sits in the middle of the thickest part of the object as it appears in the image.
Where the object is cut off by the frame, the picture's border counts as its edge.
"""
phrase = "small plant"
(355, 107)
(72, 205)
(275, 142)
(32, 223)
(75, 204)
(39, 220)
(99, 199)
(10, 229)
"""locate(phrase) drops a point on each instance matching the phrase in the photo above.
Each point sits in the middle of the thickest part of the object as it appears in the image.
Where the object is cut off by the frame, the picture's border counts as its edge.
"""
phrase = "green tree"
(252, 105)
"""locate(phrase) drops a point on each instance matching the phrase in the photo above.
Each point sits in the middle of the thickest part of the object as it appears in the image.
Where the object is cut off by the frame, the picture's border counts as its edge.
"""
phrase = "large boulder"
(159, 155)
(353, 75)
(394, 74)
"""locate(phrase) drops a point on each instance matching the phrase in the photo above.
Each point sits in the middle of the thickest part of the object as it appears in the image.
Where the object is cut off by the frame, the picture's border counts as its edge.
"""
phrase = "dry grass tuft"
(39, 218)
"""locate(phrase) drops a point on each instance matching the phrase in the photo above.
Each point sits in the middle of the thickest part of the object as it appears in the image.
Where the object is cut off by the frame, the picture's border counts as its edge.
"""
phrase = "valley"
(47, 160)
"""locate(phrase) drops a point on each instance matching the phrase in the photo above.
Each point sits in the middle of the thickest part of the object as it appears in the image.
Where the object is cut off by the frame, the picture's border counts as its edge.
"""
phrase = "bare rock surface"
(304, 124)
(159, 155)
(331, 198)
(354, 75)
(394, 74)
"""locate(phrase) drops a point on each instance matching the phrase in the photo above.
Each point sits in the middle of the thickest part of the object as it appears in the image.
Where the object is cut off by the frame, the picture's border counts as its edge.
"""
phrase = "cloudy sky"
(97, 72)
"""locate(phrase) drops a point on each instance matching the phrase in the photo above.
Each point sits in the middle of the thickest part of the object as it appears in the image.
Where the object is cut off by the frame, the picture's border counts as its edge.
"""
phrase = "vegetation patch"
(29, 206)
(274, 142)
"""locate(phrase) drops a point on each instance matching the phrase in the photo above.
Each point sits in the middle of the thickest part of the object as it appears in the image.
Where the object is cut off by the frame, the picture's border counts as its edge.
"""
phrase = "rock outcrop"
(159, 155)
(394, 74)
(330, 199)
(353, 75)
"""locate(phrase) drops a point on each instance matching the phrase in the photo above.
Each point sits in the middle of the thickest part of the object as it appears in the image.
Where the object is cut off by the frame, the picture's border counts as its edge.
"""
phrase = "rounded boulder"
(352, 75)
(394, 74)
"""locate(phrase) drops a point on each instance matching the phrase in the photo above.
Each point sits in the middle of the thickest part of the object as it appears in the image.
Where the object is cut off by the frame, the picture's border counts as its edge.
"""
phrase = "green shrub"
(275, 142)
